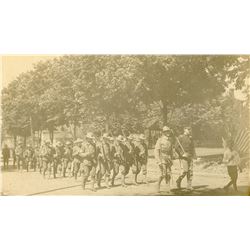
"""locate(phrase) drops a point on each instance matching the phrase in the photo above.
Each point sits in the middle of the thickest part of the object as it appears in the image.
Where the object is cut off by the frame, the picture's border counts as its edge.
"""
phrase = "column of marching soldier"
(103, 158)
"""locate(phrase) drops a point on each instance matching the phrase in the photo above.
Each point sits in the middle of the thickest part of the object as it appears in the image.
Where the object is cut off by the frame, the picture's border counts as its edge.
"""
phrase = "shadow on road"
(205, 191)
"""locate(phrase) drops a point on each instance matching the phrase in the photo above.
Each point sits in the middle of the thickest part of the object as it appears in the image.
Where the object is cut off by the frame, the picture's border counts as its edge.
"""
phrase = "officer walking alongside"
(164, 155)
(186, 151)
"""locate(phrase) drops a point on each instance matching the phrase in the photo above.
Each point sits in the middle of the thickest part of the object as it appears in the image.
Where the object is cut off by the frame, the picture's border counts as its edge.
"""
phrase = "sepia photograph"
(125, 125)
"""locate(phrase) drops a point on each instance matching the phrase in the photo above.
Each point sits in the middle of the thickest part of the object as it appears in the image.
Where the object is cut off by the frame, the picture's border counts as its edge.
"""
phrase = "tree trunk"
(165, 112)
(39, 136)
(51, 134)
(31, 132)
(14, 141)
(74, 131)
(107, 124)
(24, 141)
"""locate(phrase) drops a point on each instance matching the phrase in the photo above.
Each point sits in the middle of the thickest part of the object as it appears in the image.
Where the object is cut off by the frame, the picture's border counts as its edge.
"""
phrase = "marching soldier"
(130, 154)
(164, 155)
(47, 157)
(76, 157)
(186, 151)
(67, 159)
(88, 154)
(103, 160)
(114, 166)
(58, 158)
(28, 157)
(36, 159)
(119, 160)
(141, 152)
(19, 156)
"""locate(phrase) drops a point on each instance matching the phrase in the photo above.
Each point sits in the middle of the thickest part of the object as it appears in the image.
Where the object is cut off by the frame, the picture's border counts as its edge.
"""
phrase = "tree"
(174, 81)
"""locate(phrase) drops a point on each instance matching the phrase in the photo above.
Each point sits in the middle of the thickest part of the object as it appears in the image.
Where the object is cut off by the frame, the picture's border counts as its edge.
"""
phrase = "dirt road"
(205, 182)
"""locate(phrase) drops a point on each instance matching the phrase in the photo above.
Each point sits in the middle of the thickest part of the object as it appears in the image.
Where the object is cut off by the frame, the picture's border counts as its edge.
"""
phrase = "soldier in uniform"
(103, 160)
(164, 155)
(186, 151)
(47, 157)
(88, 154)
(141, 152)
(119, 160)
(36, 159)
(67, 159)
(19, 156)
(76, 157)
(57, 158)
(40, 159)
(114, 166)
(28, 156)
(130, 156)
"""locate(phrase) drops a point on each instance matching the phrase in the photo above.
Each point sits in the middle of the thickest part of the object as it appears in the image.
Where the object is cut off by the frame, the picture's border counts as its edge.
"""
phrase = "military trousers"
(76, 167)
(186, 170)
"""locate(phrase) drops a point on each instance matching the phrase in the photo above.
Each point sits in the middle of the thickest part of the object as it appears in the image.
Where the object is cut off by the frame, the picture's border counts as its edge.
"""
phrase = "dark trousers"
(233, 173)
(6, 162)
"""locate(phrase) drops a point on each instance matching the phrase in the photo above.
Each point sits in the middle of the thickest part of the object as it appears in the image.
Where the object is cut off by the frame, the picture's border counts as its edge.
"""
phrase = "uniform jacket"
(88, 153)
(19, 151)
(164, 150)
(187, 144)
(141, 151)
(68, 153)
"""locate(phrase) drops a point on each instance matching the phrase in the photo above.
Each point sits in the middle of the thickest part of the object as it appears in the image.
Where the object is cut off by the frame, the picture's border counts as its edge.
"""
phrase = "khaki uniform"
(67, 160)
(163, 156)
(28, 155)
(103, 161)
(88, 166)
(187, 160)
(119, 161)
(58, 158)
(76, 160)
(141, 155)
(47, 159)
(19, 157)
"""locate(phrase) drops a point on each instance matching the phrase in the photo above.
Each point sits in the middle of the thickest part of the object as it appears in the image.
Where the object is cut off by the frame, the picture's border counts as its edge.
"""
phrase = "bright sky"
(12, 66)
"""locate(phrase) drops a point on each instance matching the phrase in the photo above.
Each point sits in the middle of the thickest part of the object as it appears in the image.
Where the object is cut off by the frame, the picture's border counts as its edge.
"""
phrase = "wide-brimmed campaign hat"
(78, 140)
(90, 135)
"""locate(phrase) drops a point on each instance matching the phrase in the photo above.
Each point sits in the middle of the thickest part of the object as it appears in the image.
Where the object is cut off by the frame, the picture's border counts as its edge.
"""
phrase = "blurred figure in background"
(6, 156)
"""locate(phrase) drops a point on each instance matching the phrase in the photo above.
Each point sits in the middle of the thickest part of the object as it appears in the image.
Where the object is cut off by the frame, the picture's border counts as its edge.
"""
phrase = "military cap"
(166, 128)
(111, 138)
(78, 140)
(187, 127)
(131, 137)
(90, 135)
(47, 142)
(68, 143)
(120, 138)
(142, 137)
(59, 144)
(105, 135)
